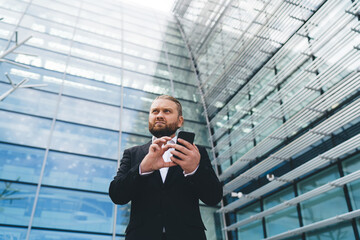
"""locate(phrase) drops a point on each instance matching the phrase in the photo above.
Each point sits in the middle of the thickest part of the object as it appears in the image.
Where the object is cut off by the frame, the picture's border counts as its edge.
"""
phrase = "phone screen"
(187, 136)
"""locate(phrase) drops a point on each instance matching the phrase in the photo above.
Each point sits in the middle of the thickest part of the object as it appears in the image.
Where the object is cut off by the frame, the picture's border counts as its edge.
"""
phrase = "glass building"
(281, 83)
(270, 87)
(100, 64)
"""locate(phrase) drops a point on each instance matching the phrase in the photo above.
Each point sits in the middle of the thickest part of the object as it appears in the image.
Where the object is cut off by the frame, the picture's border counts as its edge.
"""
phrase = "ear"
(181, 121)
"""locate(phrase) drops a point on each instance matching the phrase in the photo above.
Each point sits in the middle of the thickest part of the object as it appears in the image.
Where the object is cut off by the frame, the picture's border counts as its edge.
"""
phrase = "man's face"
(164, 118)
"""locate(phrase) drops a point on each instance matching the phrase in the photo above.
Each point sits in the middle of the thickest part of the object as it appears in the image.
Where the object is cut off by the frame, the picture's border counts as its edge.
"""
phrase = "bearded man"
(165, 191)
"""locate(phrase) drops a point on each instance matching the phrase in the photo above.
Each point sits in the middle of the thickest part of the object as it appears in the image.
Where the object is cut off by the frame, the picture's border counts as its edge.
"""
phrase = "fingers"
(185, 143)
(169, 164)
(176, 161)
(162, 140)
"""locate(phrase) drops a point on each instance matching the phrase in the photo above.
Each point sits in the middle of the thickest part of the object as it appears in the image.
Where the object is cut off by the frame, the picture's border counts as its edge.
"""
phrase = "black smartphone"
(187, 136)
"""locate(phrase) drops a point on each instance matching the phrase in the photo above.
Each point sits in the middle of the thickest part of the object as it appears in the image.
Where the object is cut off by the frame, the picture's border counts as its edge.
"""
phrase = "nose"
(159, 115)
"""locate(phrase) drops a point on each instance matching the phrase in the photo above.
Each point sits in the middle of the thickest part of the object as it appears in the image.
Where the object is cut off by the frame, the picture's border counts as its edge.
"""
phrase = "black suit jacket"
(173, 204)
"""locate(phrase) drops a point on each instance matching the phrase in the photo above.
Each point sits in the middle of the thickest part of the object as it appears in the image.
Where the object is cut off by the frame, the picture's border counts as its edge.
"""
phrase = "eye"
(154, 111)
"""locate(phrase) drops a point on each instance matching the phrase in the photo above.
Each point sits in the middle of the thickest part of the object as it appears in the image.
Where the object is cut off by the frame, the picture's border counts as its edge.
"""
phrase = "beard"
(166, 130)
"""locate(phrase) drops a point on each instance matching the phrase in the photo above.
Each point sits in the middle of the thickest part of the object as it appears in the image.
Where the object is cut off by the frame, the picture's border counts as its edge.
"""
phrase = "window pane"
(343, 231)
(89, 113)
(8, 233)
(135, 122)
(79, 172)
(16, 205)
(283, 220)
(29, 101)
(129, 140)
(138, 99)
(85, 140)
(93, 90)
(71, 210)
(253, 230)
(212, 223)
(326, 205)
(22, 129)
(351, 165)
(20, 163)
(123, 216)
(56, 235)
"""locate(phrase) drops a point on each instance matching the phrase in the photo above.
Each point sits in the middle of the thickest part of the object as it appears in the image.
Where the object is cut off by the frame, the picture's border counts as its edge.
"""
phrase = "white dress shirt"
(166, 157)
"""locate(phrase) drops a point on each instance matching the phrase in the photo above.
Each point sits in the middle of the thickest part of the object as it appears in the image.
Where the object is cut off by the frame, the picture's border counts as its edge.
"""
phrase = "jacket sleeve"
(206, 182)
(123, 187)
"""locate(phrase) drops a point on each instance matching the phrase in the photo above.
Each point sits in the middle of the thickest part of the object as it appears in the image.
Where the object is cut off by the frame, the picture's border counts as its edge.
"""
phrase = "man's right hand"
(154, 159)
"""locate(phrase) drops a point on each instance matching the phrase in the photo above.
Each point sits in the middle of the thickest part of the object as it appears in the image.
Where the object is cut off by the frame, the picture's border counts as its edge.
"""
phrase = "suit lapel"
(172, 174)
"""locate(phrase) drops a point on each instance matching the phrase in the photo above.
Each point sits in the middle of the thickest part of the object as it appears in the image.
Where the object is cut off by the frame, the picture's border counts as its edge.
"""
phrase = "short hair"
(171, 98)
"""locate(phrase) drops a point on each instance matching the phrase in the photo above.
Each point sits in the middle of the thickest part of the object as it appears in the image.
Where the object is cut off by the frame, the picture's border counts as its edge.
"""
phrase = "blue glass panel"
(145, 82)
(193, 111)
(91, 70)
(326, 205)
(251, 230)
(56, 235)
(352, 165)
(89, 113)
(138, 99)
(200, 130)
(129, 140)
(16, 203)
(187, 92)
(85, 140)
(283, 220)
(53, 80)
(122, 218)
(135, 122)
(211, 221)
(20, 163)
(22, 129)
(9, 233)
(340, 231)
(72, 210)
(93, 90)
(29, 101)
(80, 172)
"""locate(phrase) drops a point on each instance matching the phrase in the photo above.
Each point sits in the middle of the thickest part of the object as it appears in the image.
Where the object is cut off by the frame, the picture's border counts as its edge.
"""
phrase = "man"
(164, 191)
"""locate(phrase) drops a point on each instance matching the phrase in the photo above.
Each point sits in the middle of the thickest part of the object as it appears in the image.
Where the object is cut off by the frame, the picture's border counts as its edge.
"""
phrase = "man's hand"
(154, 160)
(189, 155)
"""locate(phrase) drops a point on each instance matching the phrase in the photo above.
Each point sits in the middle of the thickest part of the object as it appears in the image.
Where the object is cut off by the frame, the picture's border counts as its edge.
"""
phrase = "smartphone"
(187, 136)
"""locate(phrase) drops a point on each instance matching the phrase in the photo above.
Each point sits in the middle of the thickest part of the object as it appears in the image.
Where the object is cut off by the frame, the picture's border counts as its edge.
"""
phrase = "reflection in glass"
(85, 140)
(326, 205)
(29, 101)
(122, 218)
(89, 113)
(343, 231)
(128, 141)
(135, 122)
(352, 165)
(251, 230)
(17, 203)
(73, 171)
(22, 129)
(72, 210)
(12, 233)
(283, 220)
(56, 235)
(92, 90)
(20, 163)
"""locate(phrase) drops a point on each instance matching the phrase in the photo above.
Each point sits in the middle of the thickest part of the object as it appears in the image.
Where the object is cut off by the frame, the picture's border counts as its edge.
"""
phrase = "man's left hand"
(189, 156)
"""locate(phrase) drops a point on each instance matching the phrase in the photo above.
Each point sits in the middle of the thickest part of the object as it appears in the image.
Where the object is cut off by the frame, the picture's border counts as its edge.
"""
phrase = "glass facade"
(281, 83)
(102, 64)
